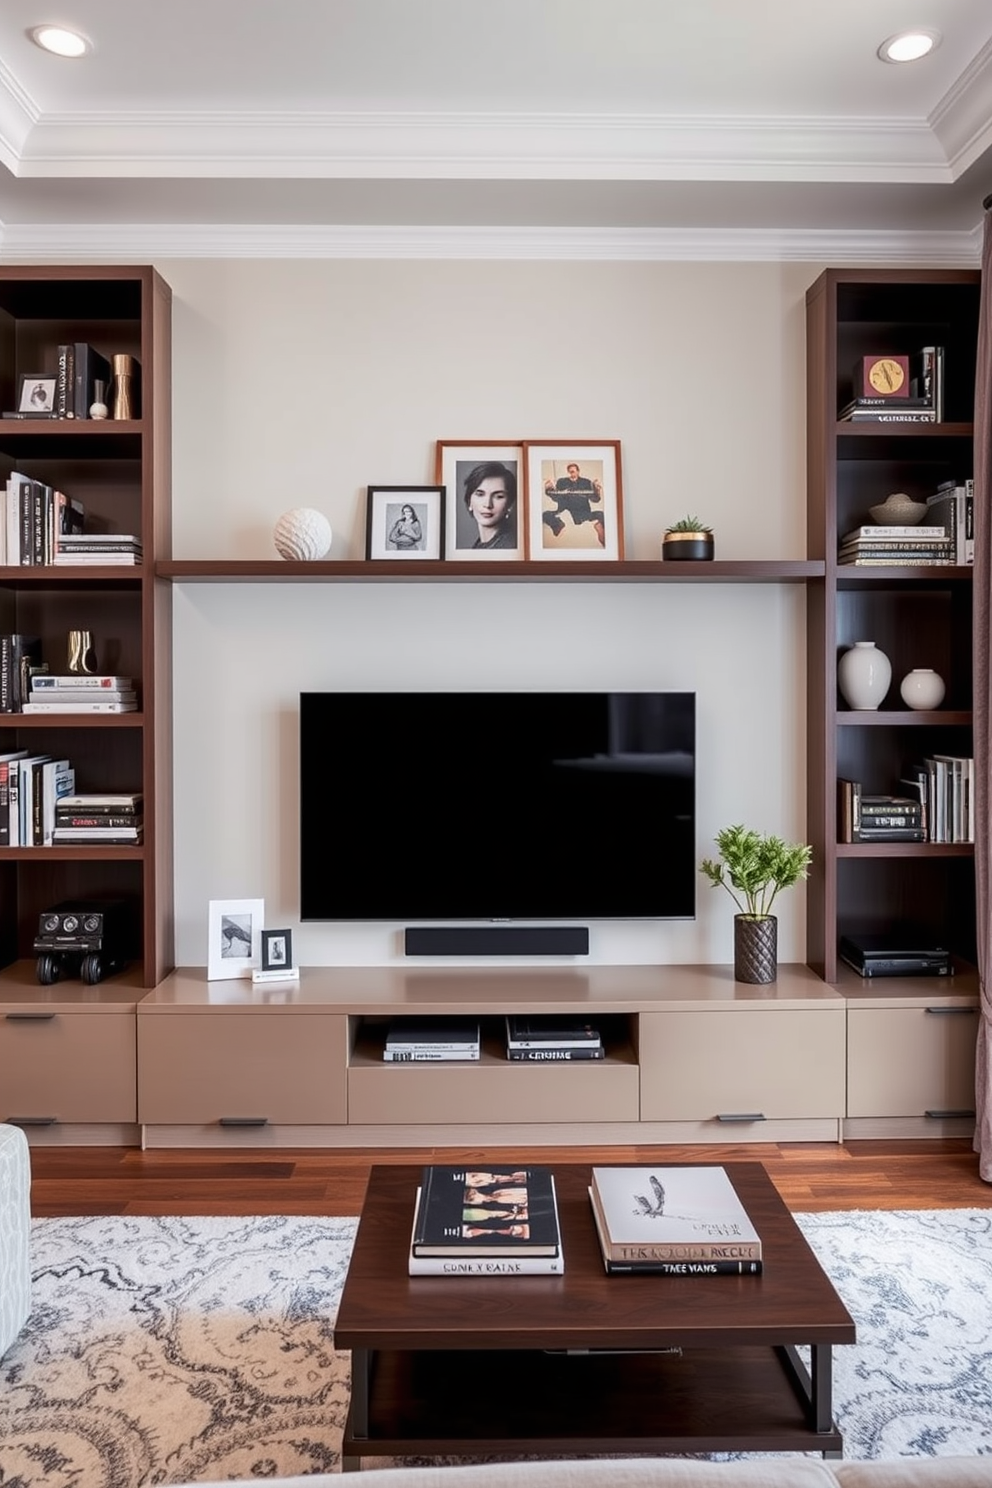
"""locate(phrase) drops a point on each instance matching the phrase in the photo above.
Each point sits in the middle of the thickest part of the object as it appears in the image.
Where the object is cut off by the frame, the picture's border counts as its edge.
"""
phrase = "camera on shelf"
(81, 937)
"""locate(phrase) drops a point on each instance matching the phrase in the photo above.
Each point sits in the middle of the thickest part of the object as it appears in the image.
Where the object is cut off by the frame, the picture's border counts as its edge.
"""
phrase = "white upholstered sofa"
(15, 1233)
(670, 1472)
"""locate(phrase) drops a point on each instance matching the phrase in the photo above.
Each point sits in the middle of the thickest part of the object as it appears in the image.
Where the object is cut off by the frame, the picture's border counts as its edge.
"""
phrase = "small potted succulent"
(687, 538)
(753, 869)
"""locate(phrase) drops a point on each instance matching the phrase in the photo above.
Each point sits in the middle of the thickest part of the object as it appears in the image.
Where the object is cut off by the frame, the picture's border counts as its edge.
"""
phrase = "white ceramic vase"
(863, 675)
(302, 534)
(922, 688)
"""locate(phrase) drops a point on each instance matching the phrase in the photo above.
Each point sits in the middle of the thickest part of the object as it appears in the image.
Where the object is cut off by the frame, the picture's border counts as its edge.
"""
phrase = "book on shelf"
(883, 405)
(119, 801)
(65, 818)
(77, 681)
(848, 808)
(18, 653)
(78, 695)
(552, 1055)
(19, 790)
(475, 1265)
(901, 552)
(904, 560)
(492, 1211)
(98, 706)
(58, 778)
(538, 1033)
(426, 1055)
(8, 762)
(889, 416)
(883, 531)
(670, 1268)
(891, 834)
(953, 506)
(89, 368)
(658, 1213)
(927, 377)
(433, 1033)
(107, 559)
(60, 837)
(65, 379)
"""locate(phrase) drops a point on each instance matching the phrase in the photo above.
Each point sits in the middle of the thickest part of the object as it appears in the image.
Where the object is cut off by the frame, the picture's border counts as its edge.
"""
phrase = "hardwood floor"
(813, 1176)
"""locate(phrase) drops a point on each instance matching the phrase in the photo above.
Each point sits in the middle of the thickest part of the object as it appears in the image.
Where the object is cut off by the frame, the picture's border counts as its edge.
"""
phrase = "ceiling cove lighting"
(62, 42)
(908, 46)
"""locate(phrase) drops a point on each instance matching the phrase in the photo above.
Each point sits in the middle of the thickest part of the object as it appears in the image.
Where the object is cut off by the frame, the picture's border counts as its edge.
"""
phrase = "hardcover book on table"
(476, 1265)
(486, 1211)
(561, 1033)
(685, 1213)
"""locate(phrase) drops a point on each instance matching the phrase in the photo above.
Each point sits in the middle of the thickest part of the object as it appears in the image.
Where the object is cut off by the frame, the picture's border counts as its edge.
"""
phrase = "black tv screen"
(487, 806)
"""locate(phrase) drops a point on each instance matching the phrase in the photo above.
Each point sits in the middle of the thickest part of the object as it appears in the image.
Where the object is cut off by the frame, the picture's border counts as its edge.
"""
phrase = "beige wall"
(300, 383)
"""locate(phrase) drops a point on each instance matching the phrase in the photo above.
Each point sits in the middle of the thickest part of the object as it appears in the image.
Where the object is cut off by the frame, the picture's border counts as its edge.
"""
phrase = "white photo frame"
(234, 938)
(574, 501)
(495, 530)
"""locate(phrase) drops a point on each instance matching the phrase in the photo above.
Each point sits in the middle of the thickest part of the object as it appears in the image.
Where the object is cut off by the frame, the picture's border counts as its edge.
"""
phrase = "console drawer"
(68, 1067)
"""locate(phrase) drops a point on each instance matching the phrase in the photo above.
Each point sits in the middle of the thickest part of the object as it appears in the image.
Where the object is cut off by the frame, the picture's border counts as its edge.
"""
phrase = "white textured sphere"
(302, 534)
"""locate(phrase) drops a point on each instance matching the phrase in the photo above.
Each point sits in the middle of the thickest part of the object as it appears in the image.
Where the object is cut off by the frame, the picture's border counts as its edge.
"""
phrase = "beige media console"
(692, 1057)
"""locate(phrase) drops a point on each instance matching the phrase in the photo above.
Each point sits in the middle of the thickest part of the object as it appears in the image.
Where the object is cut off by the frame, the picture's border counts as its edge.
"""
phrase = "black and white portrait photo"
(484, 505)
(407, 527)
(277, 950)
(405, 522)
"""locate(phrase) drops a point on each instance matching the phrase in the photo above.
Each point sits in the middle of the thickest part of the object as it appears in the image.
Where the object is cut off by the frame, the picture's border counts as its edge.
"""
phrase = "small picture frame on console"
(484, 482)
(234, 938)
(574, 500)
(405, 522)
(277, 950)
(36, 394)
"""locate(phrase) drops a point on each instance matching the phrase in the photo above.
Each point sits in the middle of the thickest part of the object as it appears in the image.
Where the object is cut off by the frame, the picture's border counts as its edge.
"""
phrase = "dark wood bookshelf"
(919, 616)
(120, 471)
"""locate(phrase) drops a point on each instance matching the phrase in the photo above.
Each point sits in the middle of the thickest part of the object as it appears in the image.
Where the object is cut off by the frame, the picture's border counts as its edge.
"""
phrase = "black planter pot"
(755, 949)
(687, 545)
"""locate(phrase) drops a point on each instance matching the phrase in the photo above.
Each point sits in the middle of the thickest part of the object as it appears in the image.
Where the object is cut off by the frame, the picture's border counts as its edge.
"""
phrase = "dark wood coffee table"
(585, 1362)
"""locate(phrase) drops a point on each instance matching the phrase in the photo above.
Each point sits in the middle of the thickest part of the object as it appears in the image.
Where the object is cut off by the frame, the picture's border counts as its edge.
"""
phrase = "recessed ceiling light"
(908, 46)
(60, 40)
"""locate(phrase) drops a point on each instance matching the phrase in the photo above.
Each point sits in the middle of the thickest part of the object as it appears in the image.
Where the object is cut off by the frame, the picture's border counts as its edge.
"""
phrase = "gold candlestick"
(125, 404)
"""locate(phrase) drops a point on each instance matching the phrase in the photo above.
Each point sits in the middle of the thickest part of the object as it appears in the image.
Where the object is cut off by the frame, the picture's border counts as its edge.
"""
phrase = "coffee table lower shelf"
(480, 1403)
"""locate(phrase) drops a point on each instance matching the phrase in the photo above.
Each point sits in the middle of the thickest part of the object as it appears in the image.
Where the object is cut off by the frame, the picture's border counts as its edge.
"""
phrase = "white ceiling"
(610, 127)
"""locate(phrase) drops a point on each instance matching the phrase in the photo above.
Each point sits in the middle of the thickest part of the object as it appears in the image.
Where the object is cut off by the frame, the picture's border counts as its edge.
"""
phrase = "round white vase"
(863, 675)
(922, 688)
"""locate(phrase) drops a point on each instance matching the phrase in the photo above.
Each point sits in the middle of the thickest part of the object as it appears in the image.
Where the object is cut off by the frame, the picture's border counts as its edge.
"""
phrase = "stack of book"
(97, 548)
(950, 796)
(677, 1221)
(919, 399)
(30, 788)
(493, 1221)
(424, 1039)
(552, 1038)
(80, 692)
(878, 818)
(109, 819)
(953, 506)
(892, 546)
(20, 661)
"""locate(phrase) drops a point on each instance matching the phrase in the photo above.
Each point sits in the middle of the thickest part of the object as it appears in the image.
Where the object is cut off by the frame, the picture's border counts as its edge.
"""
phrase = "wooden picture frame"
(36, 394)
(405, 522)
(234, 938)
(488, 523)
(574, 499)
(277, 950)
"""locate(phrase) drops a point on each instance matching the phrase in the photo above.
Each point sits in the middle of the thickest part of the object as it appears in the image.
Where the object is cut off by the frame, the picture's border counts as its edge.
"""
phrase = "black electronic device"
(498, 807)
(883, 955)
(83, 937)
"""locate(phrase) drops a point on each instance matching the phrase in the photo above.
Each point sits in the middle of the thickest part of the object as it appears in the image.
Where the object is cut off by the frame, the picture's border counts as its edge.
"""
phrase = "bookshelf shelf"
(265, 570)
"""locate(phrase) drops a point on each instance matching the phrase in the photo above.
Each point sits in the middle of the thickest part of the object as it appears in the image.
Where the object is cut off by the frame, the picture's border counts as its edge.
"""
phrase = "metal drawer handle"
(244, 1121)
(939, 1115)
(741, 1116)
(29, 1017)
(33, 1120)
(942, 1011)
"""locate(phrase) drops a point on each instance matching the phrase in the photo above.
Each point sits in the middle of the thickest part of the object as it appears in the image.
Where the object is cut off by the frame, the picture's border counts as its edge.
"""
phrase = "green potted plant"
(688, 538)
(753, 869)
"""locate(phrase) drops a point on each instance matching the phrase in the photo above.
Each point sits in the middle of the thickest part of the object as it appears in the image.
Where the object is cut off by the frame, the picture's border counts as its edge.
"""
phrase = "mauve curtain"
(983, 707)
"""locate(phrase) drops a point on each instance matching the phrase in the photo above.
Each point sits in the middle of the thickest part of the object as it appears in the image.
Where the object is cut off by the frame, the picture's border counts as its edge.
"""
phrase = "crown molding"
(962, 121)
(154, 242)
(18, 116)
(524, 146)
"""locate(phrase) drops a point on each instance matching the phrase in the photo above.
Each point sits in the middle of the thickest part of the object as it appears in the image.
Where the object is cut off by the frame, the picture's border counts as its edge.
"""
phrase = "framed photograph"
(405, 522)
(574, 500)
(484, 484)
(36, 394)
(235, 938)
(277, 950)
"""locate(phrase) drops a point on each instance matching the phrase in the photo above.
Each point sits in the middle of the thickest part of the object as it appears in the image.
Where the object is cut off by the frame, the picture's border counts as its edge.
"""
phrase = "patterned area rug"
(183, 1350)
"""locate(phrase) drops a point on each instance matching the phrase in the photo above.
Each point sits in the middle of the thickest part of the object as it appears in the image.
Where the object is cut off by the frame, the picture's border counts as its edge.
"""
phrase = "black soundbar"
(497, 940)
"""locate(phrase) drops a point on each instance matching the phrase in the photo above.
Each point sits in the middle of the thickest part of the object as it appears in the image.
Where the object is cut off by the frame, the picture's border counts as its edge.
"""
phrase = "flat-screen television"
(482, 806)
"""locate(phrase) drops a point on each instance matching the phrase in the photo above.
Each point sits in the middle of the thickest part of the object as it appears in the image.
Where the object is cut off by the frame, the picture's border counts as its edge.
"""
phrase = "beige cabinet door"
(911, 1061)
(67, 1067)
(205, 1068)
(732, 1062)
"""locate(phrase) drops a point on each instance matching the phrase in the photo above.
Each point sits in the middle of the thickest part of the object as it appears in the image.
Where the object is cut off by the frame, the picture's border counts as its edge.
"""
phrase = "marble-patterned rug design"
(186, 1350)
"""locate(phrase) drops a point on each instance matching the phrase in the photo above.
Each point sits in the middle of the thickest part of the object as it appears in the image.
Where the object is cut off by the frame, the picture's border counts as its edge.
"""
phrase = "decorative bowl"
(899, 510)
